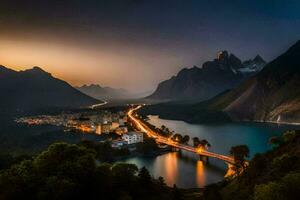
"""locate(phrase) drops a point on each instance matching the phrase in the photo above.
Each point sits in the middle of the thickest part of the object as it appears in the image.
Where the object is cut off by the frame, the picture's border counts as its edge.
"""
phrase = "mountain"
(35, 89)
(104, 93)
(224, 72)
(271, 95)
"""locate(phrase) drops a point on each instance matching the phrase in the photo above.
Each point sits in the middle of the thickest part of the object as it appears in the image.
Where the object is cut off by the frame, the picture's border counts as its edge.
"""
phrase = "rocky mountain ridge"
(218, 75)
(271, 95)
(104, 93)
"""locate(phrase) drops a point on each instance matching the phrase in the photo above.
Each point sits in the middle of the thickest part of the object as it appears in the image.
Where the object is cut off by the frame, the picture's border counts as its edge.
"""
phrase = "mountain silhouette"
(35, 89)
(197, 84)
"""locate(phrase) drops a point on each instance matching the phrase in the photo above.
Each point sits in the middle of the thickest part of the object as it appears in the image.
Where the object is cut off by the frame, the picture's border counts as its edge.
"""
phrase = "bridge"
(164, 140)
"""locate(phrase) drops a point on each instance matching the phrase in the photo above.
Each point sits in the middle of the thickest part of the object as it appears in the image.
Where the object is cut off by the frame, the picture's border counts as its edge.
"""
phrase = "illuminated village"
(103, 122)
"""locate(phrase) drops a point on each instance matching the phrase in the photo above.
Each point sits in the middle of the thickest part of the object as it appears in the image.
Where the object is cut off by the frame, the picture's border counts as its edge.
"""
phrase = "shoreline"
(218, 123)
(275, 122)
(156, 153)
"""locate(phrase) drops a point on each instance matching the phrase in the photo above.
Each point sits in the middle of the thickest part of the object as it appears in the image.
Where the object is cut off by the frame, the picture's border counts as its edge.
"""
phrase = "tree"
(177, 137)
(124, 169)
(124, 174)
(68, 171)
(165, 131)
(87, 144)
(57, 188)
(287, 188)
(185, 139)
(104, 179)
(289, 136)
(239, 153)
(19, 181)
(176, 194)
(204, 143)
(163, 127)
(275, 140)
(196, 141)
(144, 177)
(161, 181)
(62, 171)
(268, 192)
(69, 159)
(6, 160)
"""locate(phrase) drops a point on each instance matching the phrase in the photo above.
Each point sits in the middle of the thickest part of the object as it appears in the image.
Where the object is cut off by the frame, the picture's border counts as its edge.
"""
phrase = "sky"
(135, 44)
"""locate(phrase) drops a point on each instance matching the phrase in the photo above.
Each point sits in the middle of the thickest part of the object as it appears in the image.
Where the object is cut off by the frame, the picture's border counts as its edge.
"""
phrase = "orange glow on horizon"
(81, 63)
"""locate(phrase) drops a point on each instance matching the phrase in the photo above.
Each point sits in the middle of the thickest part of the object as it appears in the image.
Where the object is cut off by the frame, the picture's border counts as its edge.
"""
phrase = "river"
(185, 170)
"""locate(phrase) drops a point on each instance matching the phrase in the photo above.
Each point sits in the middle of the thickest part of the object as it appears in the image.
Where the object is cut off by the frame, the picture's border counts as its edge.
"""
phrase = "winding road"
(97, 105)
(161, 139)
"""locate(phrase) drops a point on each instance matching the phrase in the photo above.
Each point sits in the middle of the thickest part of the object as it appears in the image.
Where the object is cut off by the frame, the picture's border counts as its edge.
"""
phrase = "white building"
(133, 137)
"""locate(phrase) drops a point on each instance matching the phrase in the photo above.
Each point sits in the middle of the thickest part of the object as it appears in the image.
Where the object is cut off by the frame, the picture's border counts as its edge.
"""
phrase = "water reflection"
(171, 168)
(223, 136)
(200, 175)
(185, 170)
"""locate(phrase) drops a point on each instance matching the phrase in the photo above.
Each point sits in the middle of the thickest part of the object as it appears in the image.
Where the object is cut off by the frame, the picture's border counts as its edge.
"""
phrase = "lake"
(185, 170)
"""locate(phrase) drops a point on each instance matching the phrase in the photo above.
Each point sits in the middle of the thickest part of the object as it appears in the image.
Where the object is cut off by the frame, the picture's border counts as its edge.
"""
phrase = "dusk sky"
(135, 44)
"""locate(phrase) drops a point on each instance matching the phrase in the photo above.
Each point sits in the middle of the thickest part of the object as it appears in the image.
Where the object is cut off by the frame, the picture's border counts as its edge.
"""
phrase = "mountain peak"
(94, 85)
(234, 61)
(36, 71)
(188, 70)
(259, 59)
(98, 92)
(222, 55)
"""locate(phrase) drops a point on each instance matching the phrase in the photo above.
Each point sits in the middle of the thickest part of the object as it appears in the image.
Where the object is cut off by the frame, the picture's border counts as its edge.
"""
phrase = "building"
(121, 130)
(98, 129)
(121, 122)
(115, 117)
(121, 114)
(105, 128)
(133, 137)
(106, 118)
(118, 144)
(114, 126)
(125, 118)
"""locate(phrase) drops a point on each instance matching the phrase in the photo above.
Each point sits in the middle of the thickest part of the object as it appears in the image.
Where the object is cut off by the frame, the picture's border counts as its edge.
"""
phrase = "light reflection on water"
(185, 170)
(182, 169)
(168, 165)
(200, 175)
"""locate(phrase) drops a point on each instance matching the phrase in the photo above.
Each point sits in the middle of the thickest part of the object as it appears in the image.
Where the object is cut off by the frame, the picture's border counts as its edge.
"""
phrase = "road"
(161, 139)
(97, 105)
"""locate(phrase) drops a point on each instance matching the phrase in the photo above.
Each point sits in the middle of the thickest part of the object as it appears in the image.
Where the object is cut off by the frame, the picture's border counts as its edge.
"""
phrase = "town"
(99, 122)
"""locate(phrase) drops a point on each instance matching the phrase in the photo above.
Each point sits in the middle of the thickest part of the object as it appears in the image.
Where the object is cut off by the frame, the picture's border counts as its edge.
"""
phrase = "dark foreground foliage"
(68, 171)
(274, 175)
